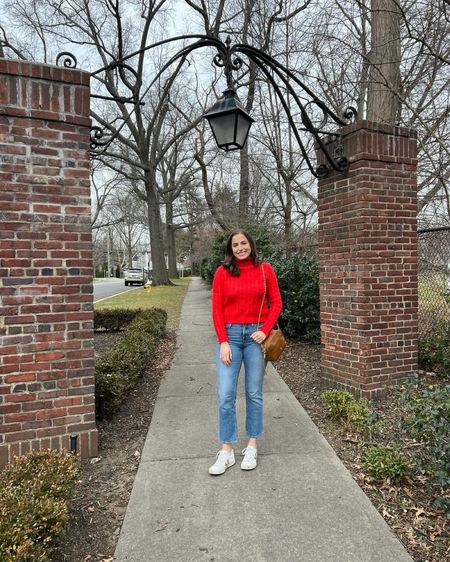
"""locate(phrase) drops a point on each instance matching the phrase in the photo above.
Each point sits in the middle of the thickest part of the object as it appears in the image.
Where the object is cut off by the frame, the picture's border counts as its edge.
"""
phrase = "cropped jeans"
(247, 351)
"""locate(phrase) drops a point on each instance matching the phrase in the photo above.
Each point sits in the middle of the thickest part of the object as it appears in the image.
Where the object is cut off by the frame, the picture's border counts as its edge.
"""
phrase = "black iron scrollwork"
(96, 136)
(324, 119)
(341, 161)
(350, 113)
(283, 81)
(321, 171)
(225, 59)
(70, 60)
(134, 87)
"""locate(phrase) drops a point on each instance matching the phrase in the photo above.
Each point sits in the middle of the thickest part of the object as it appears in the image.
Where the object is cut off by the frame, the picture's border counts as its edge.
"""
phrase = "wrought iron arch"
(229, 58)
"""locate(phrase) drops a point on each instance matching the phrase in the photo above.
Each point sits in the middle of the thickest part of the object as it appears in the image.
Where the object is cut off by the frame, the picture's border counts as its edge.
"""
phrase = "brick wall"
(368, 261)
(46, 319)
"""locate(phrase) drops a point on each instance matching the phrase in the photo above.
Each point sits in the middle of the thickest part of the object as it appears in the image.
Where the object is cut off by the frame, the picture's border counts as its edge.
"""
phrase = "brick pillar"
(46, 318)
(368, 261)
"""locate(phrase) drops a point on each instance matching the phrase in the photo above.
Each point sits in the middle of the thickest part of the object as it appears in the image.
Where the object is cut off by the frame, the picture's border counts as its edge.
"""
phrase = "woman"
(242, 321)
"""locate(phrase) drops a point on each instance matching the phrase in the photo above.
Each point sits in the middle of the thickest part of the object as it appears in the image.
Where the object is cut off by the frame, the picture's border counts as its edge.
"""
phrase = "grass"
(168, 297)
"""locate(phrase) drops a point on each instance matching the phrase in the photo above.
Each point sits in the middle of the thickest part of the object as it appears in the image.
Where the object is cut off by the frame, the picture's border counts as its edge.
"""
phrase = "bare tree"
(133, 225)
(103, 186)
(209, 180)
(347, 31)
(390, 57)
(111, 30)
(384, 81)
(183, 208)
(252, 23)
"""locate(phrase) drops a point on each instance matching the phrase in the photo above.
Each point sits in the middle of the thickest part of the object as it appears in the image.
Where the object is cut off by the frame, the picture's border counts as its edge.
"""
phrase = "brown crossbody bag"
(275, 342)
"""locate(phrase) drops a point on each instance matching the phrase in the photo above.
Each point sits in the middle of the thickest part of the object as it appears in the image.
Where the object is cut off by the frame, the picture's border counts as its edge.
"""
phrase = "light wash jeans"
(243, 349)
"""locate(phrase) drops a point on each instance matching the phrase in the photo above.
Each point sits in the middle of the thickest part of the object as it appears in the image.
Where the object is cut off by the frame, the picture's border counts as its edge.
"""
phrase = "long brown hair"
(229, 263)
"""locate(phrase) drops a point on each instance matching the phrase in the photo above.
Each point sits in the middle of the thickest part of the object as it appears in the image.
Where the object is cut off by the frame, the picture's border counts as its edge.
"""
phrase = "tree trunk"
(384, 82)
(159, 274)
(129, 253)
(288, 219)
(170, 241)
(199, 157)
(244, 188)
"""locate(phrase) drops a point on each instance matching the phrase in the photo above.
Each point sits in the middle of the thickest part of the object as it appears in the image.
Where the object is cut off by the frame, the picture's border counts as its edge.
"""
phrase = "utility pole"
(108, 252)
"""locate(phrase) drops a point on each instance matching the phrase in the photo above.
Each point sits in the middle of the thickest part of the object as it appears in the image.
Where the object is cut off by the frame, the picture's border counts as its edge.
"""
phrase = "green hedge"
(117, 372)
(114, 319)
(298, 278)
(353, 412)
(35, 492)
(387, 463)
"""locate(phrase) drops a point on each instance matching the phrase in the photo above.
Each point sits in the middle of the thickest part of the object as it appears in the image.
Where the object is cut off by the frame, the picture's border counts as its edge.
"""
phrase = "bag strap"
(264, 296)
(265, 289)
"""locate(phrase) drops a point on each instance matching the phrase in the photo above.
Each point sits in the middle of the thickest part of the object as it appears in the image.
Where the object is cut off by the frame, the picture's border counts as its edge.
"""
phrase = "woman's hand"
(258, 336)
(225, 353)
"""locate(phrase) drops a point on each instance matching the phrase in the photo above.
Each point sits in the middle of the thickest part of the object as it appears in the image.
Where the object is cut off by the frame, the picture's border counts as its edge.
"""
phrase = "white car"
(134, 275)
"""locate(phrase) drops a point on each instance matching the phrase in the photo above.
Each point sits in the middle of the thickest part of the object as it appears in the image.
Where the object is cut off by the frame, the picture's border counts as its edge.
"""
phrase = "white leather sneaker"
(249, 460)
(224, 460)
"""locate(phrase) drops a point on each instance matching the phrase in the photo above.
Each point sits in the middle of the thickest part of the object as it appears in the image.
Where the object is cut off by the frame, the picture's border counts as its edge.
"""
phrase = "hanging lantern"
(229, 122)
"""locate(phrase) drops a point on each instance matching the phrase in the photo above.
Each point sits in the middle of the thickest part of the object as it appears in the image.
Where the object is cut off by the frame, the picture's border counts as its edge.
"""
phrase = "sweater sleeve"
(217, 305)
(274, 297)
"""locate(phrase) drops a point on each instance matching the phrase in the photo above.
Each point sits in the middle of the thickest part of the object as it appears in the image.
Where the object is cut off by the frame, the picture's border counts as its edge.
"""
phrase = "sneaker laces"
(223, 454)
(249, 453)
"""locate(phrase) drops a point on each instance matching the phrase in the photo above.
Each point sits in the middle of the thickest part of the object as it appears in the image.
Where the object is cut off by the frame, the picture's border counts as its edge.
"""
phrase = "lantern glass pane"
(223, 128)
(243, 127)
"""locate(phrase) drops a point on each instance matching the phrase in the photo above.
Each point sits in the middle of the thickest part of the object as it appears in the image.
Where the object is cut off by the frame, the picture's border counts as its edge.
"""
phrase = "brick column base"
(368, 261)
(46, 316)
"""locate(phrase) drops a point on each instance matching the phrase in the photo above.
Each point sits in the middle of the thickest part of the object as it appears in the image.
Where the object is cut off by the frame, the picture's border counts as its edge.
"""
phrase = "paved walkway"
(300, 504)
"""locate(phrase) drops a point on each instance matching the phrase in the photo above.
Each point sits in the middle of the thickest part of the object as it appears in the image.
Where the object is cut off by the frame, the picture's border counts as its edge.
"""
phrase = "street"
(110, 287)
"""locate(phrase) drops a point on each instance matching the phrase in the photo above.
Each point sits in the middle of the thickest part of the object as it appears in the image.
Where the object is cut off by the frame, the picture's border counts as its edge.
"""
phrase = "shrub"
(203, 269)
(118, 371)
(114, 319)
(217, 254)
(298, 279)
(434, 352)
(35, 491)
(360, 416)
(337, 402)
(386, 463)
(428, 421)
(342, 405)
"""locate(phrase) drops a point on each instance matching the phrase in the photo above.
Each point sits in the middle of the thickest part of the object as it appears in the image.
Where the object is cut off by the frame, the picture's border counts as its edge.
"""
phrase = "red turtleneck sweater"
(237, 299)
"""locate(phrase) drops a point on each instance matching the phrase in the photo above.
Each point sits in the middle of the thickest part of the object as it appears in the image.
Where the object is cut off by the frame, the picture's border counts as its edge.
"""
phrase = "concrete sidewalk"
(299, 504)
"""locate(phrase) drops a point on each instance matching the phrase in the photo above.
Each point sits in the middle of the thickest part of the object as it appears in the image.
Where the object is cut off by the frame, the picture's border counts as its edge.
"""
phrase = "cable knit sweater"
(237, 299)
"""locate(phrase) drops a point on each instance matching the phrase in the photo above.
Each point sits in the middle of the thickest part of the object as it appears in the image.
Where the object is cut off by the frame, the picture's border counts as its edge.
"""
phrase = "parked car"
(134, 275)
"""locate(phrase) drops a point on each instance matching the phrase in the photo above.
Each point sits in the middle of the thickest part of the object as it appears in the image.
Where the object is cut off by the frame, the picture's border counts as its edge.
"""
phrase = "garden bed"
(102, 494)
(407, 507)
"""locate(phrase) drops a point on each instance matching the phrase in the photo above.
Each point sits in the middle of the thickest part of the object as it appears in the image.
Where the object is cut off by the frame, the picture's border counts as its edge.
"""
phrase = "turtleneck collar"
(245, 264)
